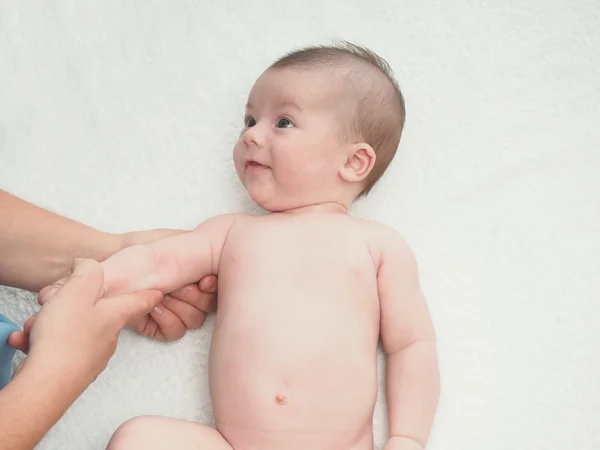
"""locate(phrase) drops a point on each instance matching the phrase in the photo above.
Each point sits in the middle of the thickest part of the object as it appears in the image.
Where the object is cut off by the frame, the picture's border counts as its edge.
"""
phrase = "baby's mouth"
(254, 164)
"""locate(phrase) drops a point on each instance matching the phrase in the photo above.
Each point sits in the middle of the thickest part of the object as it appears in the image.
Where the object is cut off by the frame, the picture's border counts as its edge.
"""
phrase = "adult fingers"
(19, 341)
(147, 326)
(127, 307)
(208, 284)
(84, 284)
(47, 292)
(29, 324)
(170, 327)
(194, 295)
(191, 316)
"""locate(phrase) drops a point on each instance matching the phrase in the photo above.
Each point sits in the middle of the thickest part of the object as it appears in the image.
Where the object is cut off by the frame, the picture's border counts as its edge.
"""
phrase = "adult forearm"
(33, 402)
(412, 385)
(37, 247)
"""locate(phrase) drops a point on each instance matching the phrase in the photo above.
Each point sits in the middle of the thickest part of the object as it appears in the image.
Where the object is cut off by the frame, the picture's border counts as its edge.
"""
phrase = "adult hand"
(76, 331)
(181, 310)
(70, 342)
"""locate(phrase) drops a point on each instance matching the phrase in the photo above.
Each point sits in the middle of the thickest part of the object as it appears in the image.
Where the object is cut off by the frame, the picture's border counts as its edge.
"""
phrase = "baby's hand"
(181, 310)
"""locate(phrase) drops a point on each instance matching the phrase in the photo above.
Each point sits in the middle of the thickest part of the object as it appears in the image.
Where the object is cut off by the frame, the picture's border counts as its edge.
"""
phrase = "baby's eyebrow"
(283, 104)
(289, 103)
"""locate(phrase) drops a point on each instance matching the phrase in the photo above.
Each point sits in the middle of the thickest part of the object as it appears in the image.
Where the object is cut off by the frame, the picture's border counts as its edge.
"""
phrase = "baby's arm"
(408, 338)
(170, 263)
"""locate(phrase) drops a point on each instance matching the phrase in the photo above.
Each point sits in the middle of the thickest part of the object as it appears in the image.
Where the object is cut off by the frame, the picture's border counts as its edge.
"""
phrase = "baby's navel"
(280, 399)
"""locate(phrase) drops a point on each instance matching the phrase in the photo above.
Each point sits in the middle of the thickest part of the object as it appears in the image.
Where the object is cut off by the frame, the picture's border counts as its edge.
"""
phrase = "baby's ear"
(359, 163)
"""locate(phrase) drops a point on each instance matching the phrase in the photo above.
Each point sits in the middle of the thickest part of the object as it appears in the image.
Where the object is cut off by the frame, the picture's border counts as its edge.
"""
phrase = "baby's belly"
(294, 372)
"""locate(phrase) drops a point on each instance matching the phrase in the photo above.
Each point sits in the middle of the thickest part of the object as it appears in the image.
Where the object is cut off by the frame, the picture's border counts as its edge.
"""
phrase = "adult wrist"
(32, 403)
(65, 379)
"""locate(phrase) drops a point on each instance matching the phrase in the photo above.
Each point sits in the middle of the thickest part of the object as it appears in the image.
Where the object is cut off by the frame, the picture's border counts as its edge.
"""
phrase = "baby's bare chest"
(297, 248)
(296, 288)
(302, 261)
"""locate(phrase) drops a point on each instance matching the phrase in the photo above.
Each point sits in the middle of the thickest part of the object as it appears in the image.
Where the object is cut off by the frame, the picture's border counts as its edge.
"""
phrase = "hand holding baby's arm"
(170, 265)
(408, 338)
(182, 310)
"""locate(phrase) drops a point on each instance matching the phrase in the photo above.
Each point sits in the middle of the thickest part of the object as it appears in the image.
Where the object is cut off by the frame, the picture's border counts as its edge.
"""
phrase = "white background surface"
(123, 115)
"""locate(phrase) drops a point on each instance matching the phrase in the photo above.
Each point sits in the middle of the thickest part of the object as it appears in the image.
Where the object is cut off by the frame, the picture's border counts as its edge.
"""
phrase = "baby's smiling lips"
(251, 164)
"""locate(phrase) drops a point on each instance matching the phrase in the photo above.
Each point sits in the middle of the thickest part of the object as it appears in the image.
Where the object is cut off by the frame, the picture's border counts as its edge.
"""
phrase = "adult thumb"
(18, 340)
(129, 306)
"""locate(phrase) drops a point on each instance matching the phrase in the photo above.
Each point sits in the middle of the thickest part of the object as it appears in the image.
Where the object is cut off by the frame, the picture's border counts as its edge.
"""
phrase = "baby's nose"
(254, 136)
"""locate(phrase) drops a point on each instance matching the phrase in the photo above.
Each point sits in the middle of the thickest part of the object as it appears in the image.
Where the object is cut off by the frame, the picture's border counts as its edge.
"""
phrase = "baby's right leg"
(153, 432)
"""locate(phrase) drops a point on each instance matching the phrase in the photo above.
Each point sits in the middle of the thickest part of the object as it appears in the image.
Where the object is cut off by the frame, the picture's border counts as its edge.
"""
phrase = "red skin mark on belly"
(280, 400)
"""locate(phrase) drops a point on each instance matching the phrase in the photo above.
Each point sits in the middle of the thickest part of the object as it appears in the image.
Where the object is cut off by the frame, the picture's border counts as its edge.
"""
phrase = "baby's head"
(322, 125)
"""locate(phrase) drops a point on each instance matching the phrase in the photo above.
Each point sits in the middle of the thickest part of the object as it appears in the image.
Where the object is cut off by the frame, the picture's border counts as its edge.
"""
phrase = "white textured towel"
(123, 115)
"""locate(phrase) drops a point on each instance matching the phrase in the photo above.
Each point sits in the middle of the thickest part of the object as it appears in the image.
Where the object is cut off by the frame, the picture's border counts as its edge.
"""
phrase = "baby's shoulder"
(219, 219)
(381, 237)
(222, 223)
(378, 231)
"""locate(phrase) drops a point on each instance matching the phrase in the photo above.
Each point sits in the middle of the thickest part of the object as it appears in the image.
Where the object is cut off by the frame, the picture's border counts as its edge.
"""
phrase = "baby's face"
(289, 152)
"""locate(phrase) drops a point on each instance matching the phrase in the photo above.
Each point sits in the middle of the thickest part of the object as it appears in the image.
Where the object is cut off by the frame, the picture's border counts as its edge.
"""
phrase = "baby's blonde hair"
(376, 113)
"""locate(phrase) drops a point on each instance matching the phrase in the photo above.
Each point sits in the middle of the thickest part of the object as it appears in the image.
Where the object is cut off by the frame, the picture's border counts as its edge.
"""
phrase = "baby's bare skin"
(293, 356)
(305, 292)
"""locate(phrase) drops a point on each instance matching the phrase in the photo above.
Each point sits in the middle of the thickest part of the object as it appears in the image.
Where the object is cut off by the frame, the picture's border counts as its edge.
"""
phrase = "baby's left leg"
(153, 432)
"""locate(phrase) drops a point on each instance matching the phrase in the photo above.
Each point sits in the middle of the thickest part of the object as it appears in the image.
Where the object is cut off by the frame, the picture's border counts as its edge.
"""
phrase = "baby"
(306, 291)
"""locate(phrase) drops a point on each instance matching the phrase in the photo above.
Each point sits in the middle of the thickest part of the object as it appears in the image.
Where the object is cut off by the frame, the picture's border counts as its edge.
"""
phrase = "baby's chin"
(269, 204)
(271, 200)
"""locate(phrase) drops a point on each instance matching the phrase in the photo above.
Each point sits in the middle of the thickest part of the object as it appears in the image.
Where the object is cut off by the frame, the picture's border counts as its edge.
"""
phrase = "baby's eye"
(284, 123)
(250, 122)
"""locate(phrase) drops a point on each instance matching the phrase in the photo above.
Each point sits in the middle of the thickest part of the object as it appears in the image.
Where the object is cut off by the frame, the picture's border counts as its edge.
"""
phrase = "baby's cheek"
(239, 169)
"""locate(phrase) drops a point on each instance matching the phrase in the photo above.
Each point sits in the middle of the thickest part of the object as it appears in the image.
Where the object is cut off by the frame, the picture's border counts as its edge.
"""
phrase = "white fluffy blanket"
(123, 115)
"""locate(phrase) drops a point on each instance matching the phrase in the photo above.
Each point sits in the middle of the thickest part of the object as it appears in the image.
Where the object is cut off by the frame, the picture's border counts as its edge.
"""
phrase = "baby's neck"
(324, 207)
